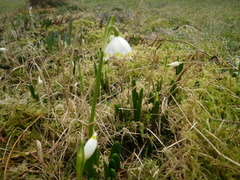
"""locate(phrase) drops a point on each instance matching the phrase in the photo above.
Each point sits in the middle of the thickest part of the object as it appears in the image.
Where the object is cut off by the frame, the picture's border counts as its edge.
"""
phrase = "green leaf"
(95, 69)
(4, 88)
(141, 128)
(118, 112)
(80, 161)
(91, 165)
(31, 88)
(113, 174)
(116, 148)
(107, 31)
(34, 95)
(116, 159)
(151, 97)
(96, 92)
(112, 164)
(105, 82)
(159, 85)
(37, 97)
(106, 171)
(138, 109)
(155, 110)
(179, 68)
(134, 95)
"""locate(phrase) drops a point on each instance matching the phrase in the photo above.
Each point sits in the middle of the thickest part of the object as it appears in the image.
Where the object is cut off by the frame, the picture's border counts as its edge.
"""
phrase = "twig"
(177, 142)
(37, 158)
(156, 137)
(219, 153)
(18, 155)
(223, 120)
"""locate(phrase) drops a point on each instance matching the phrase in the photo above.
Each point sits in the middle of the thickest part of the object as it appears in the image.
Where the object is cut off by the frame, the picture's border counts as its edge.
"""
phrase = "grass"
(9, 6)
(186, 125)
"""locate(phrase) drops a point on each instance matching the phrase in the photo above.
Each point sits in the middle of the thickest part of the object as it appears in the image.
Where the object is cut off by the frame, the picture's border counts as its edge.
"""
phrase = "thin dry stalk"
(39, 150)
(156, 137)
(209, 142)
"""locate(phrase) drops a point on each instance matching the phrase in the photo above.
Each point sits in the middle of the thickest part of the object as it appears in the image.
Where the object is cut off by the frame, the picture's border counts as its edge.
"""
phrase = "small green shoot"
(118, 112)
(105, 82)
(34, 95)
(137, 99)
(80, 161)
(179, 68)
(110, 169)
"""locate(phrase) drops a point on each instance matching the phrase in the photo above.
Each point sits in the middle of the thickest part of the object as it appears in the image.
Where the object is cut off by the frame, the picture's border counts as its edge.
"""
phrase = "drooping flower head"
(117, 47)
(3, 49)
(175, 64)
(40, 81)
(90, 146)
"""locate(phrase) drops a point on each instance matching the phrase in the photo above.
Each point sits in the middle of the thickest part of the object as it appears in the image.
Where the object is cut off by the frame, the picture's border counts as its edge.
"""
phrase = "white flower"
(40, 81)
(30, 11)
(3, 49)
(90, 146)
(175, 64)
(118, 47)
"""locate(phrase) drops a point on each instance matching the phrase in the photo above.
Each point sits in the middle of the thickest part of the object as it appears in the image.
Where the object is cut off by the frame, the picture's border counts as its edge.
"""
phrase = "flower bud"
(90, 146)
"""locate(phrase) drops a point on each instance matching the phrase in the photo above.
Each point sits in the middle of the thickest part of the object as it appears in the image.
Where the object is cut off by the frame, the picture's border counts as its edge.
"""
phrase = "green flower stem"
(106, 36)
(96, 92)
(115, 29)
(107, 31)
(80, 161)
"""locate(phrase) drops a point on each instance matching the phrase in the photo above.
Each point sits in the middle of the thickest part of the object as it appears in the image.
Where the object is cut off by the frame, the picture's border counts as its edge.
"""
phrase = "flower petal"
(174, 64)
(118, 47)
(90, 146)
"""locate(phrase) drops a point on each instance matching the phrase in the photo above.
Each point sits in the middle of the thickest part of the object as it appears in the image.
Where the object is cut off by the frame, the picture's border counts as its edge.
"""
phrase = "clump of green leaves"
(111, 168)
(154, 99)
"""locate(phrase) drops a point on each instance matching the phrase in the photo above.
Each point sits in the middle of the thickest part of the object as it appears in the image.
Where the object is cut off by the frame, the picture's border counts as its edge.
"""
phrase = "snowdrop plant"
(87, 154)
(116, 47)
(84, 153)
(177, 65)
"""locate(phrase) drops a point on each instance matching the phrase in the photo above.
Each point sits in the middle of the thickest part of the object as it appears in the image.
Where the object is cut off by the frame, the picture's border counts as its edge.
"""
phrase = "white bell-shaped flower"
(3, 49)
(117, 47)
(90, 146)
(40, 81)
(175, 64)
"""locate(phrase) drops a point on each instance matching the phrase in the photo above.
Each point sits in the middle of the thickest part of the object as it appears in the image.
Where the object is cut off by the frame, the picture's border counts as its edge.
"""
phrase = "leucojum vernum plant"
(87, 156)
